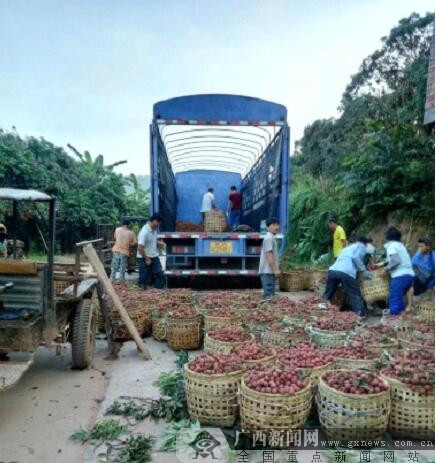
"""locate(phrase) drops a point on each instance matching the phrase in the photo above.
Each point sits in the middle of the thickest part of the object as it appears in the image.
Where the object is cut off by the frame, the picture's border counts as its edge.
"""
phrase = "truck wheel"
(84, 327)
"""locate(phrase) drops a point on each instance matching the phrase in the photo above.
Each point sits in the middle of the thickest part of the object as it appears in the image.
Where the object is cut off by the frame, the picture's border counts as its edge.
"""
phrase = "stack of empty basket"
(214, 221)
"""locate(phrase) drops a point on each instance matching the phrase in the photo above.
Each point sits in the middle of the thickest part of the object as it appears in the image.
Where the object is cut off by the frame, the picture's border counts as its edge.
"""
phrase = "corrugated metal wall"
(27, 293)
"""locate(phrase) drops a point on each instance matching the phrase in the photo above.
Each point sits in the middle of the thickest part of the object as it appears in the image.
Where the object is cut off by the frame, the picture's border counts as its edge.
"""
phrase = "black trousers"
(351, 287)
(150, 274)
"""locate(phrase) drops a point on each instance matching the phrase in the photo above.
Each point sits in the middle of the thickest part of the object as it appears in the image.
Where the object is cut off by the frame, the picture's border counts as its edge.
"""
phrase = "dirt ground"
(50, 401)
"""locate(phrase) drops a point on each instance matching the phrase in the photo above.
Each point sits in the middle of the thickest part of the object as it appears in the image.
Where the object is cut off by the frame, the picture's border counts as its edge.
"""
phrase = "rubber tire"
(84, 329)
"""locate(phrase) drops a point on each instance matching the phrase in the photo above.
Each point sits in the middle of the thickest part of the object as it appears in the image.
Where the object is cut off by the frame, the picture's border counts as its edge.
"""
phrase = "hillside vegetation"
(88, 191)
(376, 160)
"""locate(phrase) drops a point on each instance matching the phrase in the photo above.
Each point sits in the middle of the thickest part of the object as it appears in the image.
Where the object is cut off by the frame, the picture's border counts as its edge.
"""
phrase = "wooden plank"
(93, 259)
(17, 267)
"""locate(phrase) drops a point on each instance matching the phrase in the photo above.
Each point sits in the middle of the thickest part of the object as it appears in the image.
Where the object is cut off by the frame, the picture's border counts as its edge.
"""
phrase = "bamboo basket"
(314, 277)
(260, 410)
(346, 417)
(425, 310)
(184, 333)
(293, 280)
(375, 289)
(283, 338)
(319, 279)
(60, 286)
(313, 374)
(339, 297)
(214, 221)
(216, 346)
(416, 345)
(210, 321)
(327, 339)
(343, 363)
(412, 413)
(268, 360)
(257, 330)
(277, 338)
(158, 329)
(140, 316)
(212, 399)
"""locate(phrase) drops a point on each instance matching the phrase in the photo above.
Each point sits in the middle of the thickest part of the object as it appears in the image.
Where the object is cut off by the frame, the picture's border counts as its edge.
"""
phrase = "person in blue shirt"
(423, 264)
(344, 272)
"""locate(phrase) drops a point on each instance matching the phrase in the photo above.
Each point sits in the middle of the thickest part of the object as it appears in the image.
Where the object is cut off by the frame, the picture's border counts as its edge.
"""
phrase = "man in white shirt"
(208, 202)
(147, 257)
(399, 265)
(269, 259)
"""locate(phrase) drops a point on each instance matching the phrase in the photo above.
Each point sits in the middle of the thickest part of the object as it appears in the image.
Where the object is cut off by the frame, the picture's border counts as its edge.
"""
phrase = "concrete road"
(50, 401)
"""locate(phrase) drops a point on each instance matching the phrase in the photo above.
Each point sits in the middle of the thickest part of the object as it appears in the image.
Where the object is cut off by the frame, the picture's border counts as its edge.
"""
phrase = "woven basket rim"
(319, 367)
(327, 332)
(425, 302)
(349, 394)
(405, 386)
(172, 319)
(267, 394)
(263, 359)
(415, 344)
(233, 317)
(347, 359)
(230, 342)
(216, 375)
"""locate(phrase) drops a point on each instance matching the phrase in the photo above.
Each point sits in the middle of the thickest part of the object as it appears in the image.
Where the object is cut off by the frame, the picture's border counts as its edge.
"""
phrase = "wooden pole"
(93, 259)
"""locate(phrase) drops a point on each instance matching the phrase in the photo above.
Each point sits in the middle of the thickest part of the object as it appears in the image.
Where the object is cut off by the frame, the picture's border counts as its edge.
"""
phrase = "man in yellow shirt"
(339, 237)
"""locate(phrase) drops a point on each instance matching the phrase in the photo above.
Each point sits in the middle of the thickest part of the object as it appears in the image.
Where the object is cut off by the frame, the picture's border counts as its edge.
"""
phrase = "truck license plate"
(221, 247)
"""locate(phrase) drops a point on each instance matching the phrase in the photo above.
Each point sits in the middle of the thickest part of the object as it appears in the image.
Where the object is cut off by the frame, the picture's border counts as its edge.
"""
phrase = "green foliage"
(182, 357)
(137, 450)
(138, 202)
(313, 201)
(129, 409)
(88, 191)
(376, 159)
(103, 430)
(171, 430)
(172, 403)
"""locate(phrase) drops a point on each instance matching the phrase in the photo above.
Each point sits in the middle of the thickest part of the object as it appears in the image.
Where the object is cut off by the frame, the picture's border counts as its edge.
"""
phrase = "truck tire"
(84, 328)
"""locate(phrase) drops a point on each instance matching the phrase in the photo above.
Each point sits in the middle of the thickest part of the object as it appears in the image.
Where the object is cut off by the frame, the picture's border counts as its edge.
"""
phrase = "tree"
(88, 191)
(376, 157)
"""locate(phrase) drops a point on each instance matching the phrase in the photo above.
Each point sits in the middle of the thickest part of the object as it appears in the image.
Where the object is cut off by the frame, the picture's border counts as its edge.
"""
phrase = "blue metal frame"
(221, 107)
(284, 193)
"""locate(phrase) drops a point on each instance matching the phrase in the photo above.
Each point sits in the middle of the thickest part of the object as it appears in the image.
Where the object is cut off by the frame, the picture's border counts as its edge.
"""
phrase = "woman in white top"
(399, 265)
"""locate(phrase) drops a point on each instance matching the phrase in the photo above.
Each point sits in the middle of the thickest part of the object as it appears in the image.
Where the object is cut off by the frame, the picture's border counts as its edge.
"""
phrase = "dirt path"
(38, 415)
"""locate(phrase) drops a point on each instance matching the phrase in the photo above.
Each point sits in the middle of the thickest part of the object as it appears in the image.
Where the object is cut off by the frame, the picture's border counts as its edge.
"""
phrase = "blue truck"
(214, 140)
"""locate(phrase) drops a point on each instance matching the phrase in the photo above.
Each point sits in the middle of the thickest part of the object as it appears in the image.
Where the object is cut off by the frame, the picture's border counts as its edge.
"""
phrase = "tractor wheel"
(84, 327)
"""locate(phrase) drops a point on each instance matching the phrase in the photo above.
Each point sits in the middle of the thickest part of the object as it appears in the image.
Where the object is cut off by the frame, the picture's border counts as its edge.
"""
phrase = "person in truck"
(124, 239)
(269, 259)
(234, 208)
(339, 236)
(344, 272)
(208, 203)
(3, 241)
(423, 265)
(150, 269)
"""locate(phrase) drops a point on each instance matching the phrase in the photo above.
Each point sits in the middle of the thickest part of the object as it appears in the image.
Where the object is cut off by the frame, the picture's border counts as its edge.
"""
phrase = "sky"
(87, 72)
